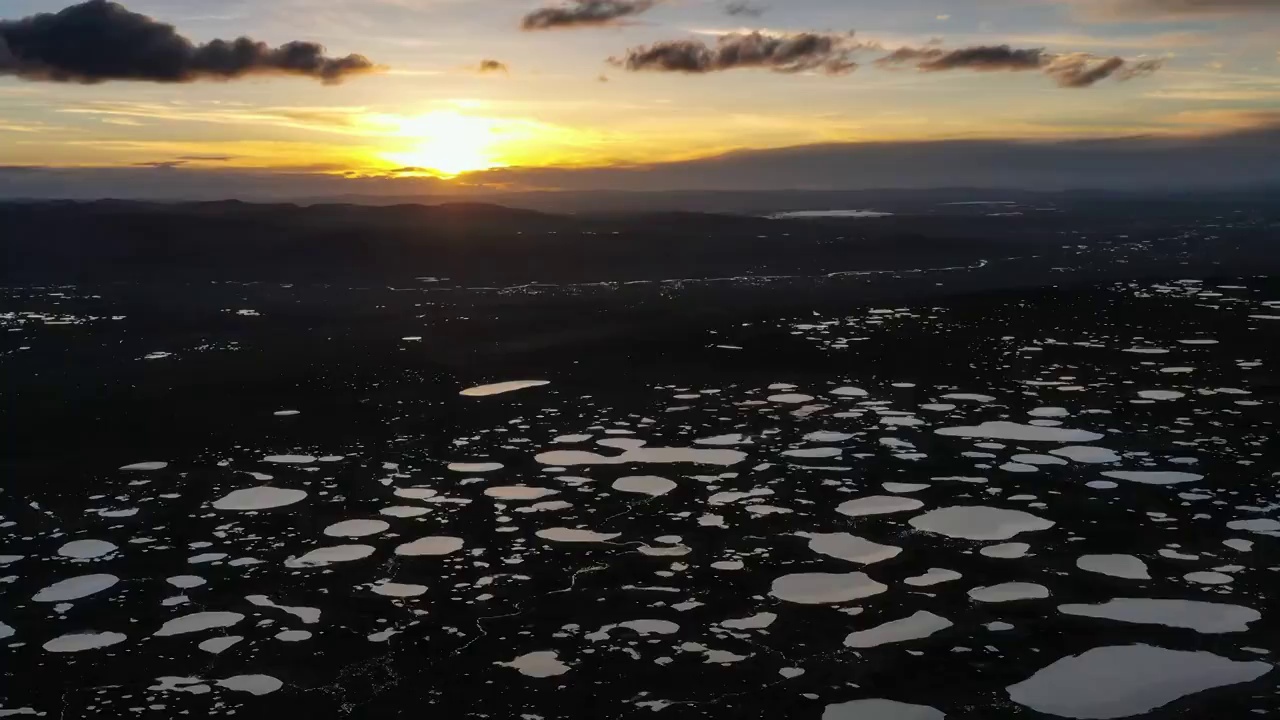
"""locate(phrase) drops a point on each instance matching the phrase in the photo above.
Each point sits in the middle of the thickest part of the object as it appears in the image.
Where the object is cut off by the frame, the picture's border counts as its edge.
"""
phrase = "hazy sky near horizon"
(552, 96)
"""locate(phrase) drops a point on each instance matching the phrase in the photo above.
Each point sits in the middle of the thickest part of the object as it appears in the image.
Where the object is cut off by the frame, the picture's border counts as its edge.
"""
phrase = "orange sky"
(559, 102)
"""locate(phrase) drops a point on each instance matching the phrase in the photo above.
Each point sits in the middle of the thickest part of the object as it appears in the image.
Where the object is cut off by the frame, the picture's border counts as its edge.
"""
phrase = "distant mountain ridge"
(762, 202)
(69, 241)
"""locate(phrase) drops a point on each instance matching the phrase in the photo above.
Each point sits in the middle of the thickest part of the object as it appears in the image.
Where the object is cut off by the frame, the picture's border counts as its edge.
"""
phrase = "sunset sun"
(448, 143)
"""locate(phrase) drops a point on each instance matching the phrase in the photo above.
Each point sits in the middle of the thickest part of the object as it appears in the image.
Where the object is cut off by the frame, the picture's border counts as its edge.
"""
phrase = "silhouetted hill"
(935, 200)
(61, 241)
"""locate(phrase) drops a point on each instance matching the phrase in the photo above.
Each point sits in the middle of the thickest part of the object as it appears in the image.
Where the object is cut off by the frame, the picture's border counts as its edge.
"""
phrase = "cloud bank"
(584, 13)
(1243, 158)
(831, 54)
(98, 41)
(1069, 70)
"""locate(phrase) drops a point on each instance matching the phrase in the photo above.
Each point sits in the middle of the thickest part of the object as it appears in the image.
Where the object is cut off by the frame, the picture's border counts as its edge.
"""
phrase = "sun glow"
(447, 143)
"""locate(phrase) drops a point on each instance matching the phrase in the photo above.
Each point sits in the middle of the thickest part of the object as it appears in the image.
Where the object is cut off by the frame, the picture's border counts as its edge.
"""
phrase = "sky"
(448, 87)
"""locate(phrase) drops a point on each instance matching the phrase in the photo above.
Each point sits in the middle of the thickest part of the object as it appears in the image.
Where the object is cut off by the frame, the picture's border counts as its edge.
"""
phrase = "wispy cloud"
(1155, 41)
(828, 53)
(14, 127)
(337, 120)
(1211, 94)
(1227, 119)
(319, 157)
(1084, 69)
(408, 72)
(186, 161)
(584, 13)
(98, 41)
(1166, 10)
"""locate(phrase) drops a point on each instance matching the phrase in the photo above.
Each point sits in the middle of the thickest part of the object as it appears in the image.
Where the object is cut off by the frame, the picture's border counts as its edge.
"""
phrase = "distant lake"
(828, 214)
(984, 202)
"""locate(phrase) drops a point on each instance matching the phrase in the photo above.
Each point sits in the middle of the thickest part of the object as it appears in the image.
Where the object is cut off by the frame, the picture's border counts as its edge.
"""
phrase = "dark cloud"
(827, 53)
(582, 13)
(206, 158)
(491, 66)
(743, 8)
(1070, 70)
(98, 41)
(982, 58)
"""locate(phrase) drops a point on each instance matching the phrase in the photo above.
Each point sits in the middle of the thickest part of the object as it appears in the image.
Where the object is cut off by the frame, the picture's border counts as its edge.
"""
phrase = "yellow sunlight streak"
(448, 143)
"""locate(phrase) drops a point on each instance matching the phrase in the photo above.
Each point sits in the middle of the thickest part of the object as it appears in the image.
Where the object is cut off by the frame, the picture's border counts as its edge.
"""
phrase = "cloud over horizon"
(828, 53)
(99, 41)
(584, 13)
(1248, 155)
(1069, 70)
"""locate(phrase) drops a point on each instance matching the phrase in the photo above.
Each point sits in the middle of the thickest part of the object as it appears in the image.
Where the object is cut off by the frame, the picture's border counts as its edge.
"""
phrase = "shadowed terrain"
(347, 461)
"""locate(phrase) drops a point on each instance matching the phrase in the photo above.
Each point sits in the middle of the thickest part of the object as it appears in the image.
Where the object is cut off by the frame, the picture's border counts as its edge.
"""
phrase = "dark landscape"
(970, 454)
